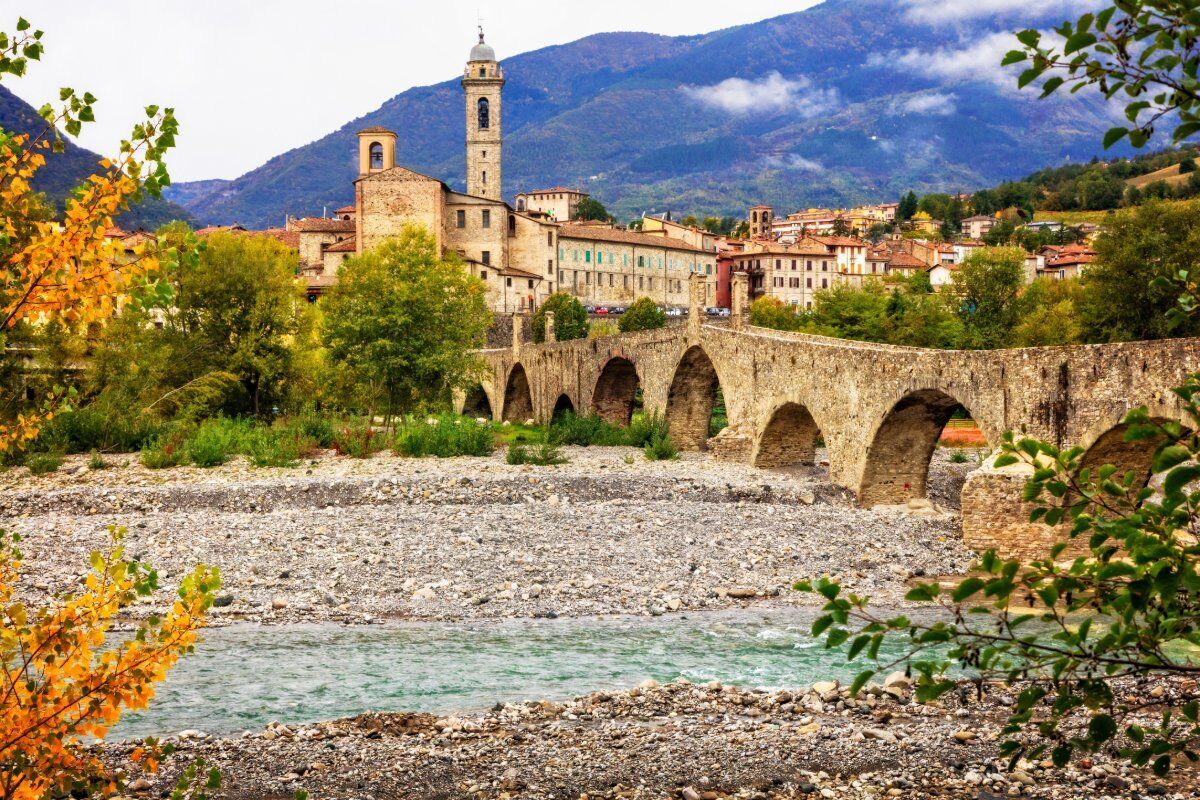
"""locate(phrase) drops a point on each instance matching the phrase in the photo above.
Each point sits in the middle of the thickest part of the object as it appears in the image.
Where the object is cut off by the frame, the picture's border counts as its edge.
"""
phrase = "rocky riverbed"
(680, 740)
(391, 538)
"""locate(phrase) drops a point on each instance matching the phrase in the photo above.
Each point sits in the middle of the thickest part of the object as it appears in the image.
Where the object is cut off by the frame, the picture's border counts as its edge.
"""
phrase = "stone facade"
(880, 409)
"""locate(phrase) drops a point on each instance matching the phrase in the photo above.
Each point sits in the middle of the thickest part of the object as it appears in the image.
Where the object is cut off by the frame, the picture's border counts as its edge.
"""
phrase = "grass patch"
(572, 429)
(661, 448)
(43, 463)
(958, 457)
(644, 428)
(216, 440)
(444, 436)
(97, 462)
(518, 433)
(165, 451)
(543, 454)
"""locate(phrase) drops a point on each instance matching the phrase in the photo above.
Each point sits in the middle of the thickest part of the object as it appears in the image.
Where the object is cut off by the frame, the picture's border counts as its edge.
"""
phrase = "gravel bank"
(358, 541)
(679, 740)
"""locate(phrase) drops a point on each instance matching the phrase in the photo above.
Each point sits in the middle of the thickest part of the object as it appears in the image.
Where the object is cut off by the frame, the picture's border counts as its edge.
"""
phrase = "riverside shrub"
(643, 315)
(573, 429)
(444, 436)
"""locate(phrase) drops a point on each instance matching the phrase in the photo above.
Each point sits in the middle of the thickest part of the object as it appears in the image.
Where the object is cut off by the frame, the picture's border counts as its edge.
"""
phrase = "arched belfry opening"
(789, 438)
(376, 155)
(616, 391)
(485, 117)
(897, 465)
(518, 399)
(691, 400)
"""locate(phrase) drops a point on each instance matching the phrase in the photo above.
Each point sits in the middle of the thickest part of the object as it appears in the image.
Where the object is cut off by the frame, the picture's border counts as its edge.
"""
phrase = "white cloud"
(976, 61)
(938, 104)
(771, 93)
(795, 162)
(934, 12)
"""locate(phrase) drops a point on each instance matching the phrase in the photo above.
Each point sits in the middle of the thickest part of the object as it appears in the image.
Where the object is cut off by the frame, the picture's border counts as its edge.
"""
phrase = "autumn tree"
(65, 268)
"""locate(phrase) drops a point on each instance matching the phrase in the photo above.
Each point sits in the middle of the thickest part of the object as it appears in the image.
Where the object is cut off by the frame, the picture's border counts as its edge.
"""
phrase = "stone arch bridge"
(880, 409)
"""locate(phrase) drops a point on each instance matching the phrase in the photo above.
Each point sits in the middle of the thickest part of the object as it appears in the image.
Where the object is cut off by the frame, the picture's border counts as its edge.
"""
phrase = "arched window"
(520, 204)
(484, 116)
(376, 152)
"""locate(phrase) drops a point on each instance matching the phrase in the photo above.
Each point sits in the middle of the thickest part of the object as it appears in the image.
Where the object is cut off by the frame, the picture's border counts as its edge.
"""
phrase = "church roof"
(324, 225)
(617, 236)
(482, 51)
(377, 129)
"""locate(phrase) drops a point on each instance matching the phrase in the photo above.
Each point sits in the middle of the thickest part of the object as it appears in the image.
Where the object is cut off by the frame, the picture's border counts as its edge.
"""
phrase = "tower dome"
(482, 51)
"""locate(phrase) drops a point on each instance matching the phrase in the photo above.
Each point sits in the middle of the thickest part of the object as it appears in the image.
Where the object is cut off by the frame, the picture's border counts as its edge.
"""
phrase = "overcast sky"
(250, 79)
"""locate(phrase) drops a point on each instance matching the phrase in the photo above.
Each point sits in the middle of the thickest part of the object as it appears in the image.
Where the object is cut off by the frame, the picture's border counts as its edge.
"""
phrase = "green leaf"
(22, 24)
(857, 646)
(1102, 728)
(1029, 38)
(860, 680)
(967, 588)
(1114, 135)
(1013, 57)
(1180, 477)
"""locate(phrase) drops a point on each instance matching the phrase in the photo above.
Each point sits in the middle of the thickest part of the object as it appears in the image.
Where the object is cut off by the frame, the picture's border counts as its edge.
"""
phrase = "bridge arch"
(477, 403)
(691, 399)
(1107, 445)
(897, 461)
(518, 399)
(788, 439)
(616, 390)
(562, 406)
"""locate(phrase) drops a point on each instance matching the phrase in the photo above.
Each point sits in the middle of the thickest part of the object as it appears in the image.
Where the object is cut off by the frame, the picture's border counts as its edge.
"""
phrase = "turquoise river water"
(242, 677)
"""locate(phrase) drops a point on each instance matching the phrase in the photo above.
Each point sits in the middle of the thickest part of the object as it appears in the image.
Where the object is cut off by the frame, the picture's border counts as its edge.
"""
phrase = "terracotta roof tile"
(345, 246)
(603, 234)
(324, 225)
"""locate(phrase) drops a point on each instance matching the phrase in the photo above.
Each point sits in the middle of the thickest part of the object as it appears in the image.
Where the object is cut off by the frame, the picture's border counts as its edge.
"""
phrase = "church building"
(522, 254)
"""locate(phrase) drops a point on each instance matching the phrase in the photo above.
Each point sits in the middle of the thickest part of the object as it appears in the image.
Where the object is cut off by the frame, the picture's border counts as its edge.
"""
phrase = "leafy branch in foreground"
(1065, 631)
(61, 684)
(1145, 51)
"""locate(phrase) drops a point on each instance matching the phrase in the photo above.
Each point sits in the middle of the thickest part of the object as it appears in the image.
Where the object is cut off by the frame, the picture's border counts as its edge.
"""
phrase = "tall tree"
(405, 322)
(908, 206)
(591, 209)
(1123, 298)
(988, 288)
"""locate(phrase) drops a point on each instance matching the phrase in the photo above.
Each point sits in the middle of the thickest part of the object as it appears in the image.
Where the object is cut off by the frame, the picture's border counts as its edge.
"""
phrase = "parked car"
(617, 310)
(590, 309)
(602, 310)
(722, 312)
(674, 312)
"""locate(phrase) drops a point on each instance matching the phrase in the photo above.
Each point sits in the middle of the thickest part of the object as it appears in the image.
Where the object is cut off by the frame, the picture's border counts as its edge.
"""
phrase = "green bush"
(164, 451)
(643, 315)
(216, 440)
(444, 436)
(570, 318)
(958, 457)
(660, 447)
(279, 446)
(93, 428)
(43, 463)
(544, 454)
(97, 461)
(316, 427)
(572, 429)
(644, 428)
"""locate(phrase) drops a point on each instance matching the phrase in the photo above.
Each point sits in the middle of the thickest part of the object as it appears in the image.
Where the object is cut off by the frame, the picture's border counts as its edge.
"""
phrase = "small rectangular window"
(530, 284)
(550, 267)
(483, 274)
(508, 281)
(486, 257)
(461, 217)
(550, 239)
(487, 218)
(587, 256)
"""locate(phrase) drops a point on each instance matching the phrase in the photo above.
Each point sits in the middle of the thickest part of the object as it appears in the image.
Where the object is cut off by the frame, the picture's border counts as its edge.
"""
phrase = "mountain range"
(66, 170)
(848, 101)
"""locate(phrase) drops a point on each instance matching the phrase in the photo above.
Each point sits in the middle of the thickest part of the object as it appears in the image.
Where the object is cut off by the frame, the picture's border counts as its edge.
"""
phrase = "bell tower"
(482, 83)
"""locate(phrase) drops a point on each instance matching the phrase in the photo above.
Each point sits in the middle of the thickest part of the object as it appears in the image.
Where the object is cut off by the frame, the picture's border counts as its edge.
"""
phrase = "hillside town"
(540, 244)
